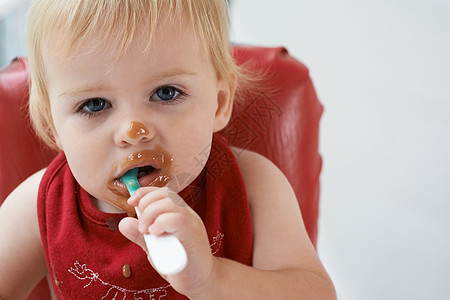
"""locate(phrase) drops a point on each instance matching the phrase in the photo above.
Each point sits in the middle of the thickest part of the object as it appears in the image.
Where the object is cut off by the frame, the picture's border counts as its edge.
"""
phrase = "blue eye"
(93, 106)
(166, 94)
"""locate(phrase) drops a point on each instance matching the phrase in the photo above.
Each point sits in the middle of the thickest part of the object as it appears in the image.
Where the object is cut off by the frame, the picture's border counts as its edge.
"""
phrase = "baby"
(123, 84)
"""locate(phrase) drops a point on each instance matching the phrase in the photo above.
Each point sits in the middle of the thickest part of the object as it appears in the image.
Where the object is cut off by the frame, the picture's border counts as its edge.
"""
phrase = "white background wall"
(382, 70)
(12, 29)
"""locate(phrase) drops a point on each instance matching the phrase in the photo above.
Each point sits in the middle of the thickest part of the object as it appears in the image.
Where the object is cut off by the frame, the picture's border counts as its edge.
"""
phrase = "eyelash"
(179, 95)
(177, 98)
(90, 114)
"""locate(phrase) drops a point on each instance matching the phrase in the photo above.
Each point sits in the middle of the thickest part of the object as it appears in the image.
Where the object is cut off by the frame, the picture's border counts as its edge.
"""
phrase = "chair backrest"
(279, 120)
(21, 153)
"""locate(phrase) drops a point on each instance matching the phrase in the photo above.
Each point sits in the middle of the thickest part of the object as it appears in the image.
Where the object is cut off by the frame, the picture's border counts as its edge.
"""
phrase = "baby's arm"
(285, 264)
(22, 262)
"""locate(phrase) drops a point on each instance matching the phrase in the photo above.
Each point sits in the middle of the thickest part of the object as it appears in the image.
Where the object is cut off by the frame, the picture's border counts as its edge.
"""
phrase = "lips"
(155, 168)
(147, 176)
(144, 173)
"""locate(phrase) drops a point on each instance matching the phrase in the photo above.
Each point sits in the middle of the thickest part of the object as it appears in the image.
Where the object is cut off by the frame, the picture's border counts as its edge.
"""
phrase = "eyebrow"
(83, 89)
(172, 73)
(96, 89)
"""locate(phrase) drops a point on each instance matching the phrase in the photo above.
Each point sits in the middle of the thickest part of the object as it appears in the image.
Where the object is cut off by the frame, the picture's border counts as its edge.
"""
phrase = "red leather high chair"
(279, 120)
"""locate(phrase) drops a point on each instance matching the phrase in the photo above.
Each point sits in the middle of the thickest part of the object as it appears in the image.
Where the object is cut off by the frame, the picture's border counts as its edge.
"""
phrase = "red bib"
(88, 258)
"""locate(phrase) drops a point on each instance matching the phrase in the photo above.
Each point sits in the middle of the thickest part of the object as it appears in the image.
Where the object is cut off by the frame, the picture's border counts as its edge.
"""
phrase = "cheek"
(85, 151)
(191, 151)
(198, 131)
(89, 165)
(65, 129)
(57, 127)
(81, 157)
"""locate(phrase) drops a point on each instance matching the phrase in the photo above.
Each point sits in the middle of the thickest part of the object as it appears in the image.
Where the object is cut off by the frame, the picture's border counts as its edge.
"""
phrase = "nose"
(136, 130)
(132, 134)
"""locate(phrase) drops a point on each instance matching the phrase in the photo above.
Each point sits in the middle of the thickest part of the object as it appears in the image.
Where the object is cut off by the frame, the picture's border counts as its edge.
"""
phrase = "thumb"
(129, 228)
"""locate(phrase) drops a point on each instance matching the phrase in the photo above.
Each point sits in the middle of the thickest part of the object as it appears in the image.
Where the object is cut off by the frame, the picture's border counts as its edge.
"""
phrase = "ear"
(225, 95)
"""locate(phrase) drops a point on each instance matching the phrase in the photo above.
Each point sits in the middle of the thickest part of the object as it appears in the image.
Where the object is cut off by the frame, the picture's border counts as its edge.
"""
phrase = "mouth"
(154, 169)
(145, 171)
(147, 176)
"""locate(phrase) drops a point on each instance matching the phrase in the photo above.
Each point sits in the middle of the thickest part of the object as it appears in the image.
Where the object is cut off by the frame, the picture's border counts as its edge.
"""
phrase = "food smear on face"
(155, 169)
(137, 129)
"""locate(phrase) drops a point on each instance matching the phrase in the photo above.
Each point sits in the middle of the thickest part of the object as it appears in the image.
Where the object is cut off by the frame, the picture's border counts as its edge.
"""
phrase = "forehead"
(174, 47)
(113, 44)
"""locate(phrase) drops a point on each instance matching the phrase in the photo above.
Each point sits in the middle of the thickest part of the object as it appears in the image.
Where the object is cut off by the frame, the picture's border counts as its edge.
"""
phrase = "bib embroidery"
(83, 273)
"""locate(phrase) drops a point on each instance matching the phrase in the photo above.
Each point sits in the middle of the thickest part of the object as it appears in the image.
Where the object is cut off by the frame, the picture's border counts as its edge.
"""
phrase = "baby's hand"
(164, 211)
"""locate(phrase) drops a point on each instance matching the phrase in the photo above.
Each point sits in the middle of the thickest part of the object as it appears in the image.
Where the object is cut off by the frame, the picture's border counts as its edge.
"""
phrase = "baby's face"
(156, 111)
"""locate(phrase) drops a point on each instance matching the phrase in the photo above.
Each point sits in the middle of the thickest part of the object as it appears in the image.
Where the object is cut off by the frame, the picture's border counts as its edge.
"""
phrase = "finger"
(172, 222)
(129, 228)
(141, 192)
(152, 208)
(152, 197)
(152, 211)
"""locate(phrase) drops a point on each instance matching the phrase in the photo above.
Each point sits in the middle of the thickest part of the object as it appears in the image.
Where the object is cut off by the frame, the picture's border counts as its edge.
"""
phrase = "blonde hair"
(74, 22)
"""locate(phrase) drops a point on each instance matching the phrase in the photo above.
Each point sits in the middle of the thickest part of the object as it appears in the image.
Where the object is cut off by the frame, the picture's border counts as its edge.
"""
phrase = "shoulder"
(261, 176)
(25, 193)
(20, 207)
(248, 159)
(21, 249)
